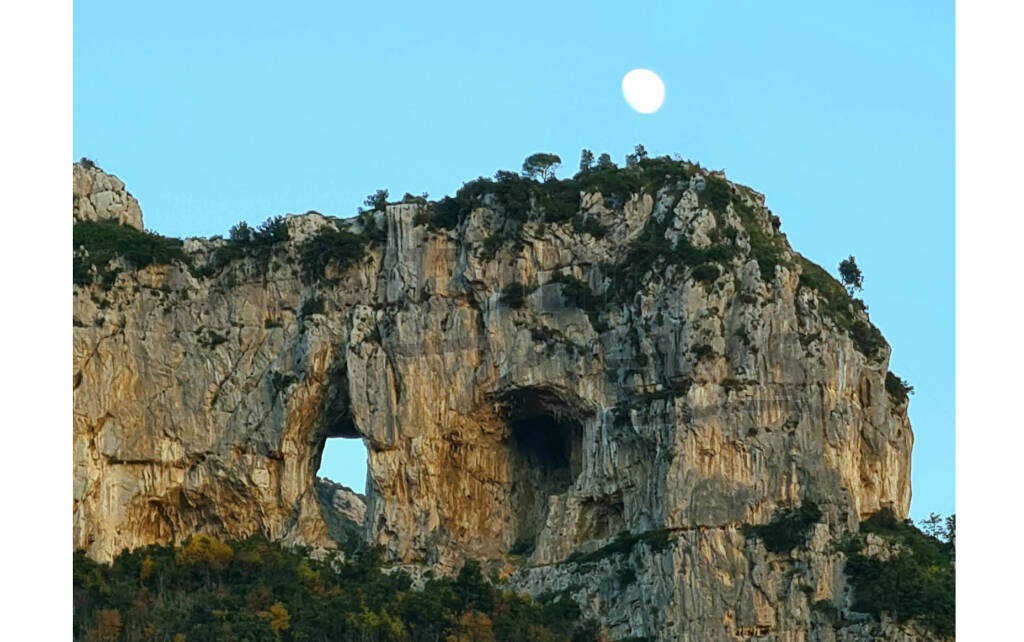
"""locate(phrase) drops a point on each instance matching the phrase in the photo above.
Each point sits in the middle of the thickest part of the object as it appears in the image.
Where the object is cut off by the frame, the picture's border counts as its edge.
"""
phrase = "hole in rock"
(344, 461)
(340, 489)
(545, 436)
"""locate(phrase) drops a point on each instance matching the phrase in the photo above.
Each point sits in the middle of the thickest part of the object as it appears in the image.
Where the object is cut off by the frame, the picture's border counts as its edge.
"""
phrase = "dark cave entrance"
(545, 437)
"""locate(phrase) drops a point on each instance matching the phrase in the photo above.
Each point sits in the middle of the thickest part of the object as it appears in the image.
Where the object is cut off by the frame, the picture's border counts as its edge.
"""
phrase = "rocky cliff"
(593, 385)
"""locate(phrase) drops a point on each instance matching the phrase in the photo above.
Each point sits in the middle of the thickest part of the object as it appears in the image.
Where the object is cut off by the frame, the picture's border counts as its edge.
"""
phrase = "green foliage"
(556, 201)
(312, 305)
(523, 547)
(897, 388)
(839, 306)
(514, 295)
(788, 529)
(625, 576)
(639, 154)
(706, 273)
(943, 529)
(372, 230)
(652, 250)
(87, 163)
(339, 248)
(586, 160)
(826, 608)
(867, 338)
(378, 200)
(253, 589)
(851, 275)
(579, 295)
(616, 185)
(105, 240)
(588, 225)
(541, 166)
(916, 583)
(716, 193)
(766, 250)
(623, 544)
(411, 198)
(244, 242)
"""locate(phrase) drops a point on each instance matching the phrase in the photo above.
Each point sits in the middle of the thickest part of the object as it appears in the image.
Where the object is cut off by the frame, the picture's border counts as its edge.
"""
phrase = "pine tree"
(586, 160)
(851, 275)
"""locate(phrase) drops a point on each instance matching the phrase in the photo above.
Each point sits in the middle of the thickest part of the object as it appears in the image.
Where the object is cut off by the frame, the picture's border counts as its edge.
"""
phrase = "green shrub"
(788, 528)
(716, 194)
(867, 338)
(702, 351)
(446, 214)
(493, 243)
(378, 200)
(898, 388)
(706, 273)
(339, 248)
(312, 305)
(589, 226)
(623, 544)
(372, 230)
(826, 608)
(523, 547)
(576, 293)
(839, 306)
(514, 295)
(230, 590)
(916, 583)
(244, 242)
(766, 250)
(579, 295)
(212, 339)
(625, 576)
(105, 240)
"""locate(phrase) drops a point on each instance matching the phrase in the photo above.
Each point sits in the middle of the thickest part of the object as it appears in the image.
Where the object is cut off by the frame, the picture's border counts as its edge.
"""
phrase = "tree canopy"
(851, 275)
(541, 165)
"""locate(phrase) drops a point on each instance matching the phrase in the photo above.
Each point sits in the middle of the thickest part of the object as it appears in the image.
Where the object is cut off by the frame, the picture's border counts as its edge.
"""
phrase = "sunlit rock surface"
(692, 407)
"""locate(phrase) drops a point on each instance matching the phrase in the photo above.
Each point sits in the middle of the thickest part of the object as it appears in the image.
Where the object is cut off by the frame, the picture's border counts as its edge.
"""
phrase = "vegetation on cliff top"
(105, 240)
(521, 198)
(255, 590)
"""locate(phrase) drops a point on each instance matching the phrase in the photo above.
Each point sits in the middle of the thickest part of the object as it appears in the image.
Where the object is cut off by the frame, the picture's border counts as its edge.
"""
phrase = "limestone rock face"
(684, 407)
(344, 501)
(98, 196)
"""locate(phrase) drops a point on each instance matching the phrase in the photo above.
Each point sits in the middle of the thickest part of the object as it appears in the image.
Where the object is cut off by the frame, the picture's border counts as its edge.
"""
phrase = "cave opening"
(341, 466)
(343, 461)
(545, 436)
(341, 488)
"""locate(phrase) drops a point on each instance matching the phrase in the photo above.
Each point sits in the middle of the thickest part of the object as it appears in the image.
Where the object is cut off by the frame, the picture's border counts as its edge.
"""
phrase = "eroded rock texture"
(688, 405)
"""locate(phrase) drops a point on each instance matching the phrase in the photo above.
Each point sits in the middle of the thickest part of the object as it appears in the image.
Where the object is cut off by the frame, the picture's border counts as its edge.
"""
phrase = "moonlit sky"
(841, 113)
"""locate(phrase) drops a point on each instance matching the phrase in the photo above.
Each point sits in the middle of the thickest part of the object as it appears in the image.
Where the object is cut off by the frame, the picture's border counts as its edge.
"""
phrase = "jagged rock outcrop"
(344, 501)
(687, 404)
(99, 196)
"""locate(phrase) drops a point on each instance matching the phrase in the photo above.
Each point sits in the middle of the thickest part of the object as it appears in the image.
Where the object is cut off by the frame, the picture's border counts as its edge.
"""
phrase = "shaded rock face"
(344, 501)
(688, 407)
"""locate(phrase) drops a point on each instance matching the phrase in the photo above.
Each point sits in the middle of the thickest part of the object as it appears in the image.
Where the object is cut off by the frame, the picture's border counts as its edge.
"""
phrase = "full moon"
(643, 90)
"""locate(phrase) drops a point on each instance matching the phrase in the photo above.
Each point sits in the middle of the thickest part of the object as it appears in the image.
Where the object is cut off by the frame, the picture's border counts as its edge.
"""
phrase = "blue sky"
(841, 113)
